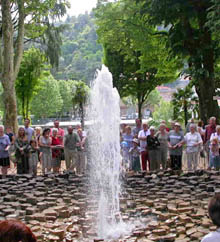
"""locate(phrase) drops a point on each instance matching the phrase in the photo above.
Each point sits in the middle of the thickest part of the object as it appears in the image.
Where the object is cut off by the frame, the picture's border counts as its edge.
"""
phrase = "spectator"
(175, 138)
(172, 125)
(188, 125)
(4, 155)
(135, 156)
(28, 130)
(60, 133)
(38, 133)
(153, 145)
(71, 143)
(45, 147)
(216, 134)
(56, 151)
(122, 131)
(127, 137)
(15, 231)
(193, 142)
(10, 134)
(209, 130)
(21, 152)
(137, 129)
(214, 214)
(214, 153)
(162, 136)
(81, 161)
(33, 157)
(142, 136)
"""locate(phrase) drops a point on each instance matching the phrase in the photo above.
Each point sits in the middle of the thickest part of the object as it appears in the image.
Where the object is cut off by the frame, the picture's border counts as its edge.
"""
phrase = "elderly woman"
(193, 142)
(56, 146)
(216, 136)
(153, 150)
(45, 147)
(21, 152)
(4, 155)
(162, 136)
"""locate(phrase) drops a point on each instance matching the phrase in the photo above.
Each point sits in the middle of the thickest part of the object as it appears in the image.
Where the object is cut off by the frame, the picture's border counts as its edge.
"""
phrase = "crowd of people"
(147, 148)
(30, 146)
(143, 148)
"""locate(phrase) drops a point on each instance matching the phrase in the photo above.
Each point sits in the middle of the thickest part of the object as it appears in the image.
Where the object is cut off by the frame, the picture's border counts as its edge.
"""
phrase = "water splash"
(104, 111)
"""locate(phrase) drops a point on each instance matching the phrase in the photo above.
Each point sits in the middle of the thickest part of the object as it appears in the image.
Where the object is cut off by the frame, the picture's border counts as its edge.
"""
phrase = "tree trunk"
(185, 112)
(140, 109)
(82, 116)
(8, 78)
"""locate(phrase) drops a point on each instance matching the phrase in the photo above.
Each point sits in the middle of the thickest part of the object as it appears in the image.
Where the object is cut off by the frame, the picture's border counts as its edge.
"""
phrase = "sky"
(81, 6)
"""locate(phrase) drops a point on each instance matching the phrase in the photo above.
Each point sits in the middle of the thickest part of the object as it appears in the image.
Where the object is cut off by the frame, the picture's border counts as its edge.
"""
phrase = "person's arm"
(199, 138)
(140, 137)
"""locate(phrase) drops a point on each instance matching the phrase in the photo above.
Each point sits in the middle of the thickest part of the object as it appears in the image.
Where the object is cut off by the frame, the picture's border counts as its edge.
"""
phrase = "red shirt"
(55, 152)
(209, 130)
(59, 133)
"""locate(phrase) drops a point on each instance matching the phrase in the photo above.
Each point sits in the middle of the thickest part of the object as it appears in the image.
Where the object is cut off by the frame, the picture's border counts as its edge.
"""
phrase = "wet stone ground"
(171, 207)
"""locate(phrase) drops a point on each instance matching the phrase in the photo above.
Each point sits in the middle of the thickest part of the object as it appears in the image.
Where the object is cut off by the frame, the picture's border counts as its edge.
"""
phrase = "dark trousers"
(23, 165)
(176, 162)
(144, 159)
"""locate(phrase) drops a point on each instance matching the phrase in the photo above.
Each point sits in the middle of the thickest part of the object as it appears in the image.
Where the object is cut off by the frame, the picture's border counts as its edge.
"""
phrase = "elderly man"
(175, 138)
(71, 144)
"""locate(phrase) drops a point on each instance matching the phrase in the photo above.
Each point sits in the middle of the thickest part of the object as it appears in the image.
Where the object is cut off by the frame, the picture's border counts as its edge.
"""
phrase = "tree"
(28, 81)
(52, 100)
(184, 104)
(190, 39)
(80, 96)
(17, 19)
(136, 56)
(163, 111)
(65, 87)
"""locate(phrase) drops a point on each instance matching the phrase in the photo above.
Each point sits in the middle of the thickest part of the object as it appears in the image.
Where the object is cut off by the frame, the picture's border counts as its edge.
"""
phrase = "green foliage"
(66, 88)
(192, 34)
(135, 55)
(163, 111)
(48, 101)
(80, 94)
(28, 82)
(81, 55)
(184, 104)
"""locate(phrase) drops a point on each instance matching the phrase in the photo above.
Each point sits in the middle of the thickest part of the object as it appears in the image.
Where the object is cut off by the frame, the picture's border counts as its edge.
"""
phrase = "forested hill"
(81, 54)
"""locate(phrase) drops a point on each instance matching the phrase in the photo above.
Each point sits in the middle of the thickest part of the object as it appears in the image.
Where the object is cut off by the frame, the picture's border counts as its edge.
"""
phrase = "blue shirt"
(4, 142)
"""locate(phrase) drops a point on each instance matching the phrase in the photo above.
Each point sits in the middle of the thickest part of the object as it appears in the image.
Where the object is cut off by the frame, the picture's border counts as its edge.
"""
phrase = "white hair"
(2, 126)
(54, 129)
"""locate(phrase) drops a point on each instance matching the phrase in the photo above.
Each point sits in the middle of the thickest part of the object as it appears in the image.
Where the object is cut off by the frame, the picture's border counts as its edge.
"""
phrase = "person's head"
(192, 128)
(2, 129)
(8, 130)
(123, 126)
(135, 142)
(177, 127)
(200, 123)
(21, 132)
(56, 124)
(162, 127)
(192, 120)
(212, 121)
(214, 210)
(46, 133)
(70, 129)
(138, 122)
(33, 143)
(214, 141)
(152, 130)
(218, 129)
(54, 132)
(145, 126)
(13, 231)
(79, 132)
(26, 122)
(38, 130)
(78, 126)
(128, 130)
(172, 124)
